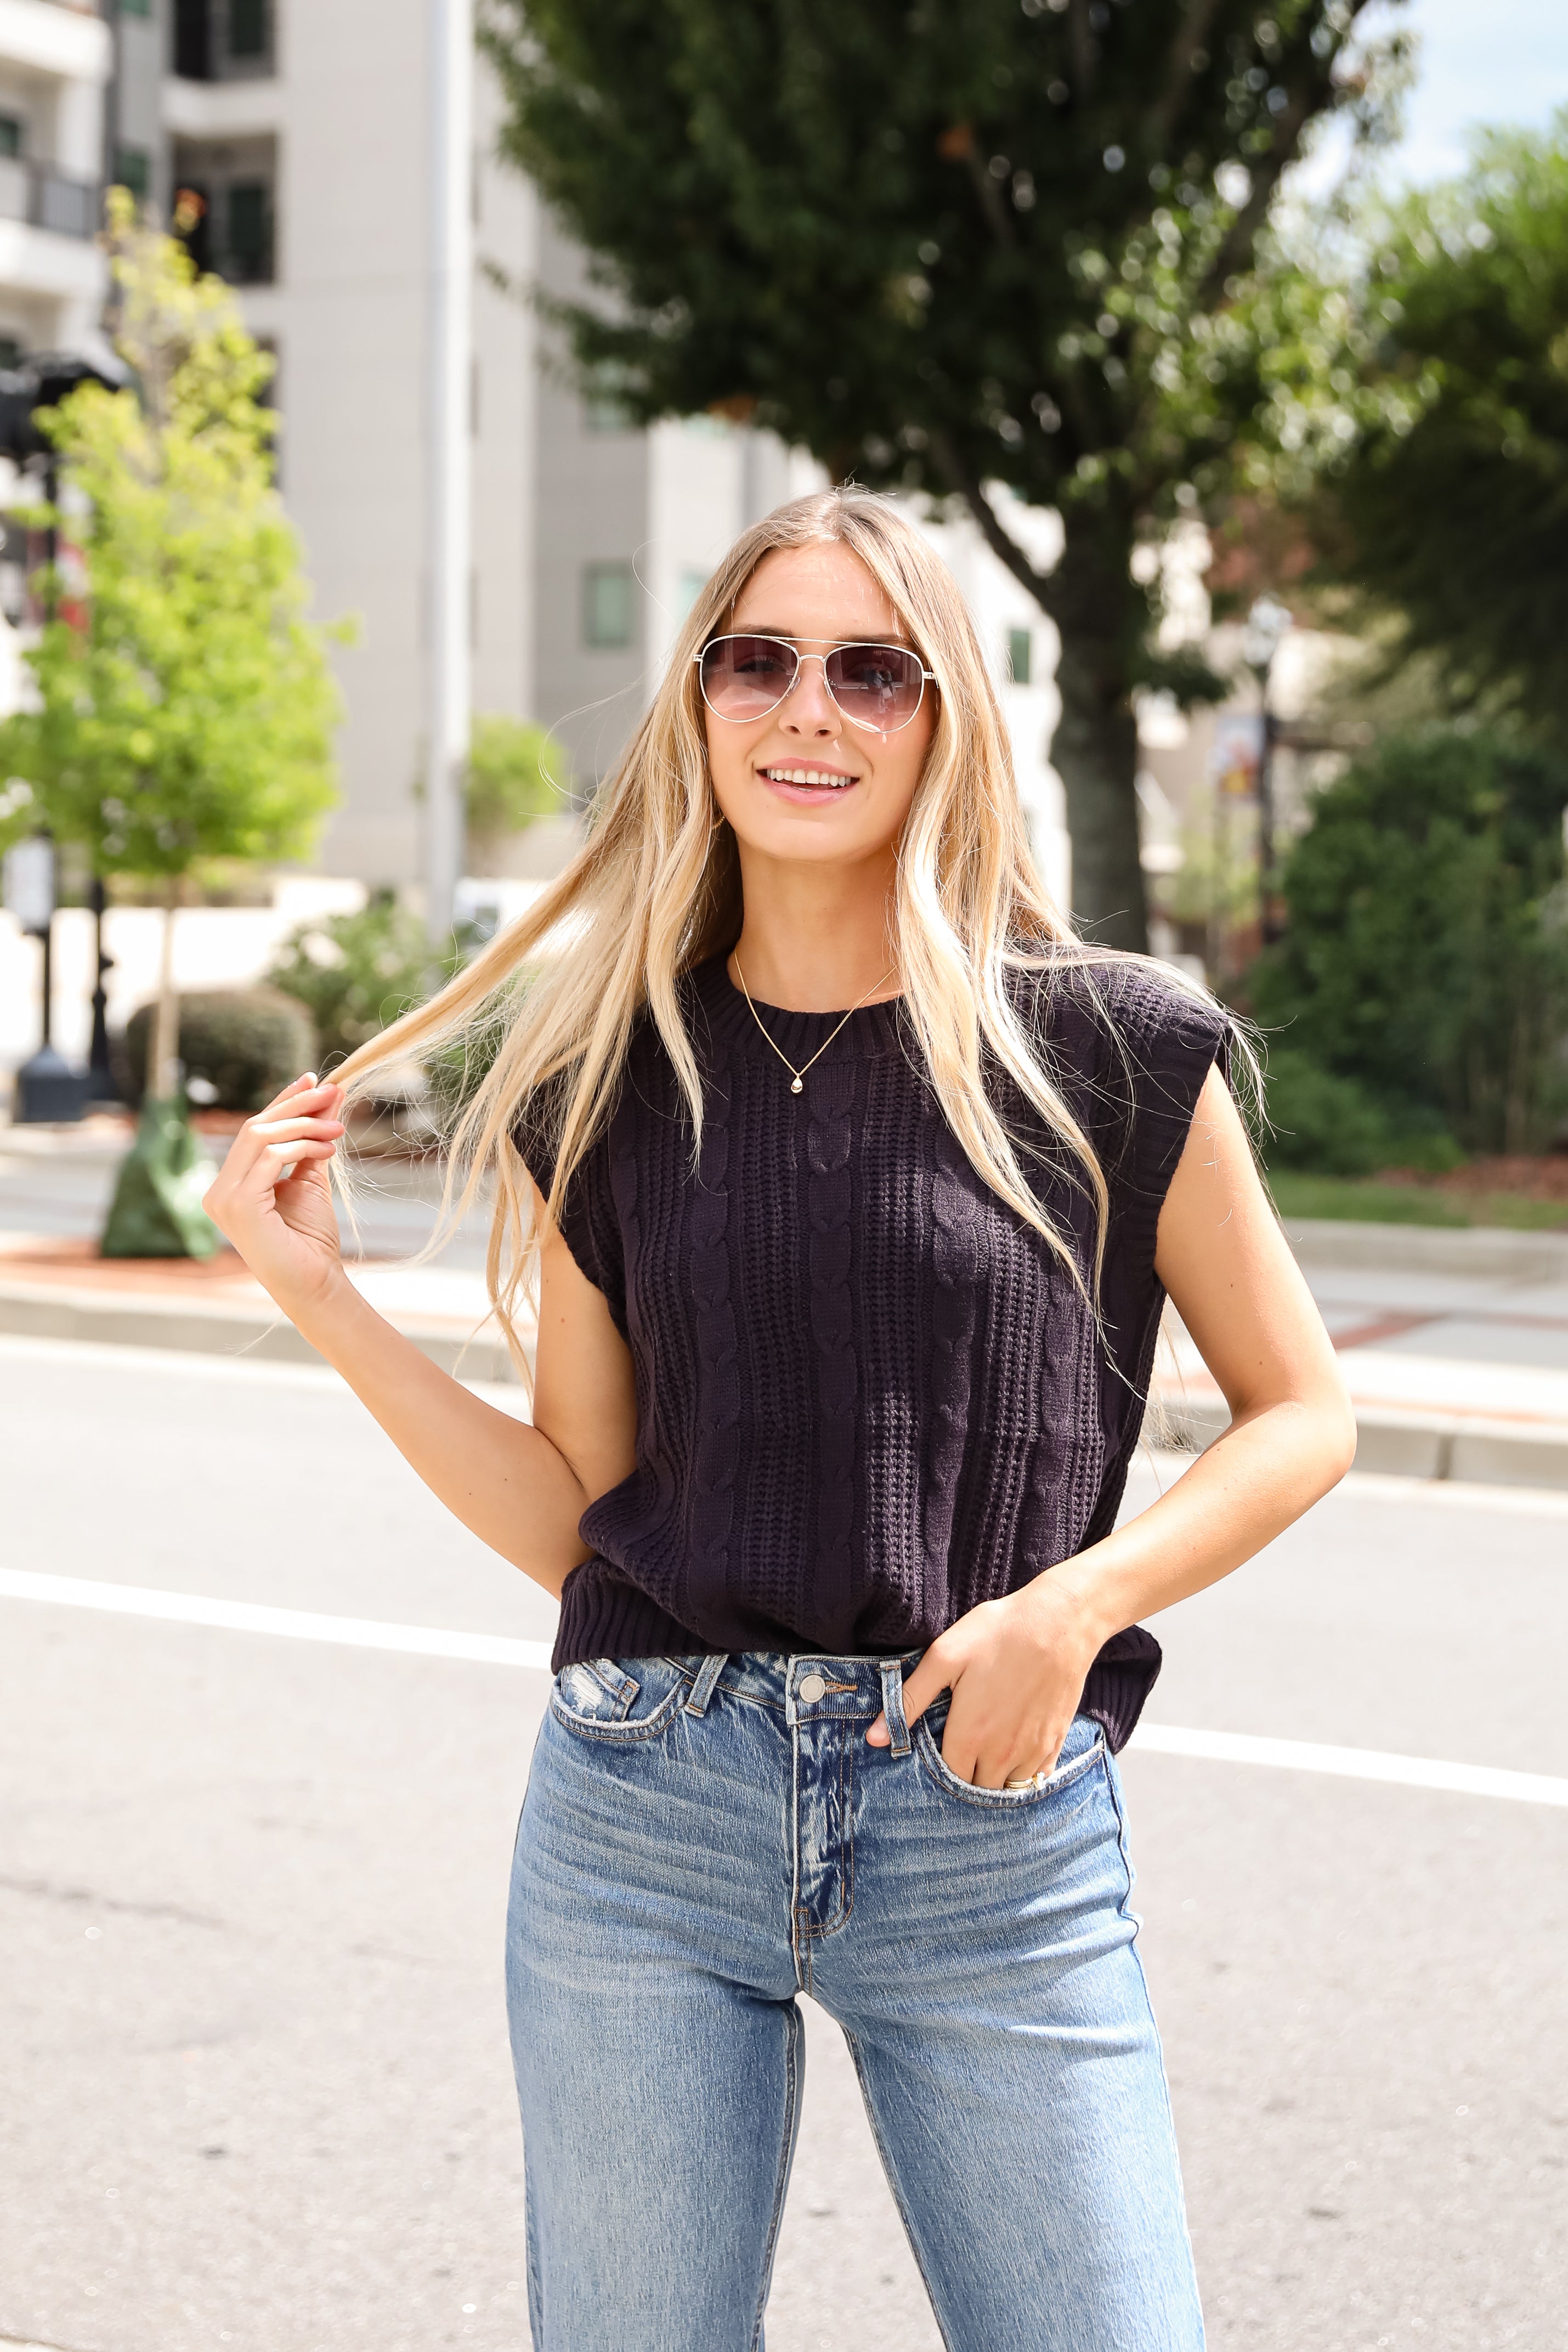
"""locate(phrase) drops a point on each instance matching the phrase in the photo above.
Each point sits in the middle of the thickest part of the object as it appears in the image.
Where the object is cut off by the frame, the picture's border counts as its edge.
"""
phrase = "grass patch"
(1300, 1196)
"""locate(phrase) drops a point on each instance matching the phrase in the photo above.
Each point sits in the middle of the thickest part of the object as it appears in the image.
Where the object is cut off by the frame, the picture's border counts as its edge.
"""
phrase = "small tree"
(514, 775)
(184, 705)
(946, 246)
(1448, 509)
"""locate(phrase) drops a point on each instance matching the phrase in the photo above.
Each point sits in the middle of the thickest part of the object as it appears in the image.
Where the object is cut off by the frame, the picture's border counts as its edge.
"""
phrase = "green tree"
(1426, 954)
(186, 708)
(947, 247)
(514, 775)
(1448, 509)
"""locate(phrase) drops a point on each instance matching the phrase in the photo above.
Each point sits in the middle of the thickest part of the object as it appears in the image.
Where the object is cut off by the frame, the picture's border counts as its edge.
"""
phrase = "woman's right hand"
(283, 1227)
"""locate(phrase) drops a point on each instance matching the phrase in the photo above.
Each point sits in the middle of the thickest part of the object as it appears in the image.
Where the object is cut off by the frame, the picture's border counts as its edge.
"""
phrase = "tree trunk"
(1095, 748)
(164, 1039)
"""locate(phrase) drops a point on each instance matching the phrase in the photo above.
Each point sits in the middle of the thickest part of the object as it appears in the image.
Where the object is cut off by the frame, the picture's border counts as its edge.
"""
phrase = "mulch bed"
(1527, 1176)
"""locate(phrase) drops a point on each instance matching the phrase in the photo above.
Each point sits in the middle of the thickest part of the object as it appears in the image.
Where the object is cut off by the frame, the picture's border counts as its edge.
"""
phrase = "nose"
(808, 707)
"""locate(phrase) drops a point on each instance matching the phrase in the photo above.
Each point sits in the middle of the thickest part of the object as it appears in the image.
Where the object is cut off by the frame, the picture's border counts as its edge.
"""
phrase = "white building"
(303, 126)
(56, 58)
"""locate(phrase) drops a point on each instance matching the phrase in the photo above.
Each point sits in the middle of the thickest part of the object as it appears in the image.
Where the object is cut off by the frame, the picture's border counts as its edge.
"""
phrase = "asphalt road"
(251, 1892)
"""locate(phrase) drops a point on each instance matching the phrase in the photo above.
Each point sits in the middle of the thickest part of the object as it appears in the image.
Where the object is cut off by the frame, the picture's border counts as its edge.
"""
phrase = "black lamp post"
(1262, 635)
(46, 1086)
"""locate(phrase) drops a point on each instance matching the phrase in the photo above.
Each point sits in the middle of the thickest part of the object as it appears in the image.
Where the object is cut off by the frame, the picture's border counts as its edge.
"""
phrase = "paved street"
(251, 1894)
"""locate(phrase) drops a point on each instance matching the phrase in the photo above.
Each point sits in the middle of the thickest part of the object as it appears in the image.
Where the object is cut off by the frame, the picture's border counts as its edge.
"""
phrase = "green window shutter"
(609, 604)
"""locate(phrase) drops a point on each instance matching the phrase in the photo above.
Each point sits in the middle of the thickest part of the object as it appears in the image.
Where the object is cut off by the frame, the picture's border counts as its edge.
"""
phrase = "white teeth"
(807, 776)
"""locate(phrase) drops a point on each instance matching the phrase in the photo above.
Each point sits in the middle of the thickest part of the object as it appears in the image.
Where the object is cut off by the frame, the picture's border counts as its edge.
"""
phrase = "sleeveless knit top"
(869, 1396)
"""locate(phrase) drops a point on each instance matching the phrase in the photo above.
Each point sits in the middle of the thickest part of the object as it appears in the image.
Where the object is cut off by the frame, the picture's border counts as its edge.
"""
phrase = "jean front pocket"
(619, 1699)
(1083, 1752)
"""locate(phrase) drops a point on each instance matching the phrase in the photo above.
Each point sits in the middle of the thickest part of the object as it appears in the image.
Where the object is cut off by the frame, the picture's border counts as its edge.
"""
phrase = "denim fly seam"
(852, 1692)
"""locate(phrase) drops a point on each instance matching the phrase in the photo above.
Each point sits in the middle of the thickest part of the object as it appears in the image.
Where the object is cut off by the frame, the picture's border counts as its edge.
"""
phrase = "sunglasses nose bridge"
(800, 661)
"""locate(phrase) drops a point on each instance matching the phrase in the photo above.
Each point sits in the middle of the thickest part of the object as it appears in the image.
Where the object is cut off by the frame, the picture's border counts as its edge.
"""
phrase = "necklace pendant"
(797, 1085)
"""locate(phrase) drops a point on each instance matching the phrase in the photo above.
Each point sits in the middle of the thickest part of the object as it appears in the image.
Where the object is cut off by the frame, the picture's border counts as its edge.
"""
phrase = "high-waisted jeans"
(703, 1839)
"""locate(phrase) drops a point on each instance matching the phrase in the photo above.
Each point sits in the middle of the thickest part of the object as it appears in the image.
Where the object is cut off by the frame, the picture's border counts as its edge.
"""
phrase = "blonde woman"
(856, 1185)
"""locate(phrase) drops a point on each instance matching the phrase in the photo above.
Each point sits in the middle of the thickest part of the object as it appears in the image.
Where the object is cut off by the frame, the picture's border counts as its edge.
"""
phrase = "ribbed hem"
(1119, 1682)
(601, 1617)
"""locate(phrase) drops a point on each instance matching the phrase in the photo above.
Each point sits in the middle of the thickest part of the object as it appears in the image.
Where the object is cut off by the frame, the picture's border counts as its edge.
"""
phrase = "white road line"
(1351, 1764)
(253, 1617)
(503, 1650)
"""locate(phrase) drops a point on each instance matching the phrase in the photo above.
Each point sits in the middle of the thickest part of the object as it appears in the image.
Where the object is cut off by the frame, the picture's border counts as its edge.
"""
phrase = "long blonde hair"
(656, 889)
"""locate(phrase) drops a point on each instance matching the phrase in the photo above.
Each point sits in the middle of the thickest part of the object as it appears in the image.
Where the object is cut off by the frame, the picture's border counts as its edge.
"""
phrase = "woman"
(857, 1185)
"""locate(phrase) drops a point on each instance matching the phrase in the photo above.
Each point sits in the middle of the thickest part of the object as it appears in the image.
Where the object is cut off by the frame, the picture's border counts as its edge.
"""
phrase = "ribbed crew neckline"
(870, 1028)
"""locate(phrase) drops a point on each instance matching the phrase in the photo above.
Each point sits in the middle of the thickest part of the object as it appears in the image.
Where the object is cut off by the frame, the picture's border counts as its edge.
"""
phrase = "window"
(193, 40)
(1021, 651)
(608, 607)
(249, 32)
(249, 258)
(232, 224)
(11, 356)
(12, 134)
(136, 7)
(604, 408)
(133, 170)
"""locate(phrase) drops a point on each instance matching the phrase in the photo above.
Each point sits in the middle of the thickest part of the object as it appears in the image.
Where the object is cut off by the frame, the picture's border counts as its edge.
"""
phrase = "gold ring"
(1025, 1780)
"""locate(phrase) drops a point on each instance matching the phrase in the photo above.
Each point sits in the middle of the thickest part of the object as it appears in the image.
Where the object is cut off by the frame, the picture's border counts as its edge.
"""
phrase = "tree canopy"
(1426, 954)
(946, 247)
(185, 707)
(1449, 508)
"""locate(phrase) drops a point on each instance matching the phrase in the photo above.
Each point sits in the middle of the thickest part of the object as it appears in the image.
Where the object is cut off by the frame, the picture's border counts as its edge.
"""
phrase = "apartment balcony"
(46, 197)
(57, 37)
(49, 221)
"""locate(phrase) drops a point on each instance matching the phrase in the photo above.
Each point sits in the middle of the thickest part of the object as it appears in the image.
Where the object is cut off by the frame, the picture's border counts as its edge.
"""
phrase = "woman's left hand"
(1016, 1668)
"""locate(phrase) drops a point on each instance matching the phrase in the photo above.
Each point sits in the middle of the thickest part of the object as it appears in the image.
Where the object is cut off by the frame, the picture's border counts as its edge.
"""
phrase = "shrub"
(516, 772)
(1425, 951)
(355, 973)
(1336, 1126)
(238, 1046)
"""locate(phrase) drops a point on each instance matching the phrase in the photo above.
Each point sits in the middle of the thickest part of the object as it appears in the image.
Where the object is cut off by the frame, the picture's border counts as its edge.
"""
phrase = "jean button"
(811, 1689)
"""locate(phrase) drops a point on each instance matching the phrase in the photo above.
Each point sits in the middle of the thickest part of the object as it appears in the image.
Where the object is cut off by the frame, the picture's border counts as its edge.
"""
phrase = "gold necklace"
(797, 1076)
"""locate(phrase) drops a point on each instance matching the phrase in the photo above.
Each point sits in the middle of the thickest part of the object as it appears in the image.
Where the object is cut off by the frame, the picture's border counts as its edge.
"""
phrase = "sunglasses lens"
(876, 685)
(742, 678)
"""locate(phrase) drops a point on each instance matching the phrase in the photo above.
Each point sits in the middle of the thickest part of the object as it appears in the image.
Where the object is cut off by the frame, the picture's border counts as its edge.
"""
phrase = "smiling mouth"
(825, 779)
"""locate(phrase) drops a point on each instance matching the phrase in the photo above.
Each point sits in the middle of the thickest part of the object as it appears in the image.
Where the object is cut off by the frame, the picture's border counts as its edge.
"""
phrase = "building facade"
(302, 128)
(56, 65)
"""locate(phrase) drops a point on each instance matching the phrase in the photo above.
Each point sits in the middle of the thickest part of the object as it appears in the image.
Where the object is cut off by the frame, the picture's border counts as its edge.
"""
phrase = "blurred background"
(378, 387)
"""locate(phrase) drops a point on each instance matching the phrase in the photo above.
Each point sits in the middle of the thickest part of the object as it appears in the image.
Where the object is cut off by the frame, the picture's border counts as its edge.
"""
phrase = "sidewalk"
(1454, 1346)
(1454, 1343)
(55, 1187)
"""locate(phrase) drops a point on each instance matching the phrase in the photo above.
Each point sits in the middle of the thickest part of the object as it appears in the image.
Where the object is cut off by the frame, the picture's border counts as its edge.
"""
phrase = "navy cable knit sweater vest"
(869, 1396)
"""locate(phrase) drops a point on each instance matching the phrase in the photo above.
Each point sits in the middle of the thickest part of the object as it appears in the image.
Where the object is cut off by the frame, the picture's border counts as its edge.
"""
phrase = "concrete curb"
(208, 1328)
(1479, 1250)
(1462, 1446)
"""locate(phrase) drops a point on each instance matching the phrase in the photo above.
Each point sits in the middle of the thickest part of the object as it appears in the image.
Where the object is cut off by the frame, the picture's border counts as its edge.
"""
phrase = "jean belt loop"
(892, 1704)
(707, 1682)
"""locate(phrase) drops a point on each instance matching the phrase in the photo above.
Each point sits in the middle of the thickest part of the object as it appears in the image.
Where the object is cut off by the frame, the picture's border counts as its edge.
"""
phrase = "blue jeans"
(703, 1839)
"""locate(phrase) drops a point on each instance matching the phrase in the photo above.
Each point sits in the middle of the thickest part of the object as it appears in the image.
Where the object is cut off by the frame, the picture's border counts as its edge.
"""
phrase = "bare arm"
(521, 1489)
(1016, 1667)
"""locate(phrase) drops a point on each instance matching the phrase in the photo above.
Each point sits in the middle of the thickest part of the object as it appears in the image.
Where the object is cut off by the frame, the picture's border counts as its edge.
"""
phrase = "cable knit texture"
(869, 1396)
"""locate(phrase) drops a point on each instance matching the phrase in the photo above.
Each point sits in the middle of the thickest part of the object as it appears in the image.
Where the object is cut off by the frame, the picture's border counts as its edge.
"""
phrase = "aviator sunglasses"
(745, 678)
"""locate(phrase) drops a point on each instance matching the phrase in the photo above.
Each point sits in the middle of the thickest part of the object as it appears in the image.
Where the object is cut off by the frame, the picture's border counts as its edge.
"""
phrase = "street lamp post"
(448, 558)
(47, 1088)
(1262, 635)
